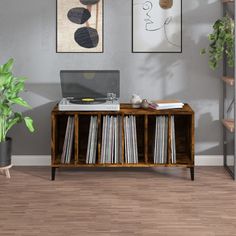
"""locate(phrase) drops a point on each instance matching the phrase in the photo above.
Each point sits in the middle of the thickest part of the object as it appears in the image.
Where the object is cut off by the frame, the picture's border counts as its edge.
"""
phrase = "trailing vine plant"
(221, 42)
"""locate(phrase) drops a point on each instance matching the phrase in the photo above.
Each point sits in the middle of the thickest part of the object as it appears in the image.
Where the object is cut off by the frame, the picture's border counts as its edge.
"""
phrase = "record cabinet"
(71, 151)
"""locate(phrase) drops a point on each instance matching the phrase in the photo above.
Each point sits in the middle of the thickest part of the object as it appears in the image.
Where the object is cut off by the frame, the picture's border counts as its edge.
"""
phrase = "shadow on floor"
(73, 174)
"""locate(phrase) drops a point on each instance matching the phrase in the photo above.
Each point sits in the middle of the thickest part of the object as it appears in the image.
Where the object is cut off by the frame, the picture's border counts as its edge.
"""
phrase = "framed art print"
(157, 26)
(80, 26)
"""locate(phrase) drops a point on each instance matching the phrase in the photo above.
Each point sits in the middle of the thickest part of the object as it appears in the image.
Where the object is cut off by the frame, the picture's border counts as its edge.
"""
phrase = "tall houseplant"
(10, 88)
(221, 42)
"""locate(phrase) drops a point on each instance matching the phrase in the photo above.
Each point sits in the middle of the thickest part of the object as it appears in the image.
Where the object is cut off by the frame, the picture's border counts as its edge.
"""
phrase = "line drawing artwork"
(157, 25)
(148, 6)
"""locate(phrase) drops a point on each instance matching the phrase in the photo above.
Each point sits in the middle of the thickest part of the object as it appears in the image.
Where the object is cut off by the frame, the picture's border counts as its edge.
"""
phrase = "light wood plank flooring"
(118, 202)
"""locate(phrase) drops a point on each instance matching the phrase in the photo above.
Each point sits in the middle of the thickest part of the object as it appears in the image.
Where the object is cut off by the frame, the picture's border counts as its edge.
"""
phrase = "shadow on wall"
(37, 143)
(42, 97)
(47, 91)
(207, 124)
(163, 67)
(198, 88)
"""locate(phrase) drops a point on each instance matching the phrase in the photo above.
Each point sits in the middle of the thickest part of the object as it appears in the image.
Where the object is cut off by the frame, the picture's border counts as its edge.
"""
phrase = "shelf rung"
(229, 124)
(228, 80)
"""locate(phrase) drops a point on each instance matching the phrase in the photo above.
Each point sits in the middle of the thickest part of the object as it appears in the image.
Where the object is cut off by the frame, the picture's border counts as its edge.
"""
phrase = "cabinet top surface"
(128, 109)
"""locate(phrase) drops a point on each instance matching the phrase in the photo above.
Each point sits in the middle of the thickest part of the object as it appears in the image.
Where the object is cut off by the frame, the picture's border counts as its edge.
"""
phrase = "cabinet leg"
(7, 172)
(53, 173)
(192, 173)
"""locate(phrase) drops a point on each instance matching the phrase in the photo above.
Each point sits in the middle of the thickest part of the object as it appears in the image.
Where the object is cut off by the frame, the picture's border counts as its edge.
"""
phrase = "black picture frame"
(181, 36)
(79, 51)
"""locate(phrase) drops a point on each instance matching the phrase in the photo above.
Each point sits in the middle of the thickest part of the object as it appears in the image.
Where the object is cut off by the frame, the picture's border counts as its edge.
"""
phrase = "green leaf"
(21, 79)
(5, 110)
(5, 79)
(29, 124)
(17, 119)
(212, 65)
(8, 66)
(203, 51)
(20, 101)
(211, 37)
(18, 87)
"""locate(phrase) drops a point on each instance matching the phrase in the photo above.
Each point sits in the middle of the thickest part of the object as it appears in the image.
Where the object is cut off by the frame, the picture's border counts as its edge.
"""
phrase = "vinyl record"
(82, 102)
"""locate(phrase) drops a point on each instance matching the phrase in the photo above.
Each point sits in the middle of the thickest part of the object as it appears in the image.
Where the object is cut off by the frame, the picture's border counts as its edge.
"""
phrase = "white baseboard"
(31, 160)
(211, 160)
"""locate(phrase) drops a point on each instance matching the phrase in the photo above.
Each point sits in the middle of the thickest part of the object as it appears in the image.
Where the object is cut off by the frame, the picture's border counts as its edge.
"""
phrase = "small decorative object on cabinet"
(229, 107)
(136, 101)
(145, 104)
(126, 138)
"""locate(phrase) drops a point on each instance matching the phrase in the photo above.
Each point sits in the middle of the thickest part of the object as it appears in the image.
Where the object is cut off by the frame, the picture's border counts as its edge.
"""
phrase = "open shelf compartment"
(184, 139)
(60, 126)
(84, 123)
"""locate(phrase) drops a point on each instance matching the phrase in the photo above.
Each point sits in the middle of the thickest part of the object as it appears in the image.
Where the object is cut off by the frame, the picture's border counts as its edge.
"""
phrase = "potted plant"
(10, 87)
(221, 42)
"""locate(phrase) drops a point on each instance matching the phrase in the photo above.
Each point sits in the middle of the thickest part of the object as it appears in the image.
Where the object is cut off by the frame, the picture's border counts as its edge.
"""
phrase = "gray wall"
(28, 34)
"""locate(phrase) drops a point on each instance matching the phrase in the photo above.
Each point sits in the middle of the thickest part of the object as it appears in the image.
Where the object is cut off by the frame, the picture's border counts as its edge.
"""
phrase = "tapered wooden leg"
(53, 173)
(7, 172)
(192, 173)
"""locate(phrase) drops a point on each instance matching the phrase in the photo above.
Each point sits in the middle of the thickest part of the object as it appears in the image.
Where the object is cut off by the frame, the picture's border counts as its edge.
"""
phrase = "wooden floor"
(118, 202)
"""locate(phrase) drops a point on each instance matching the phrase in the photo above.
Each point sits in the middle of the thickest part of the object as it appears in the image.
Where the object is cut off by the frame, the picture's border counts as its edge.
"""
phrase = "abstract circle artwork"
(80, 26)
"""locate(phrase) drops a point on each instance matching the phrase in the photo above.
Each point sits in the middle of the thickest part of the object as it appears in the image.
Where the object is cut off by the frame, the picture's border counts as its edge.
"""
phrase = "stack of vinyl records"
(131, 147)
(68, 141)
(161, 140)
(111, 140)
(92, 141)
(173, 144)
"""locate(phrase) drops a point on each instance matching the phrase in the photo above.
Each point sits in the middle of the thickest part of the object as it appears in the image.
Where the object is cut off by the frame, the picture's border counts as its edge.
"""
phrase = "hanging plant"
(221, 42)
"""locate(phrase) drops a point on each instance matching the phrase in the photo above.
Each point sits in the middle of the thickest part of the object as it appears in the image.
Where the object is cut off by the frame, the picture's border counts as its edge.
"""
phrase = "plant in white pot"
(10, 88)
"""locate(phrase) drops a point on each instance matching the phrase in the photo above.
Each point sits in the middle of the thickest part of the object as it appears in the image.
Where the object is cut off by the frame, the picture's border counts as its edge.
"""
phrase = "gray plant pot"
(5, 152)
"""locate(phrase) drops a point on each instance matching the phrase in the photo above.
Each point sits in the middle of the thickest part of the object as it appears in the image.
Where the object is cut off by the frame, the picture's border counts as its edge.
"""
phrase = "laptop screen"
(90, 84)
